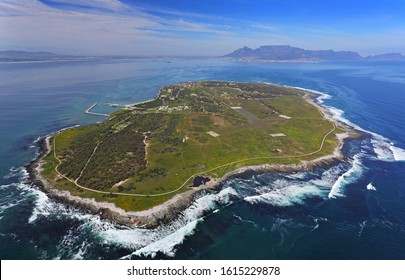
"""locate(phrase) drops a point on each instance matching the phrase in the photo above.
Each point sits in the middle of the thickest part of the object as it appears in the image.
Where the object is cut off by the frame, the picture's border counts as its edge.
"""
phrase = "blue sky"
(204, 27)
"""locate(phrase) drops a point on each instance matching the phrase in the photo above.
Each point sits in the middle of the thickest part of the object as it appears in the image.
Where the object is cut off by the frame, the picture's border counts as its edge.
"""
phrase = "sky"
(199, 27)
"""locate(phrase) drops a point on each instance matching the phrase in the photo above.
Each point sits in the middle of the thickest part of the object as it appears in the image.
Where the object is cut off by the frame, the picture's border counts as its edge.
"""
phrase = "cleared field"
(147, 153)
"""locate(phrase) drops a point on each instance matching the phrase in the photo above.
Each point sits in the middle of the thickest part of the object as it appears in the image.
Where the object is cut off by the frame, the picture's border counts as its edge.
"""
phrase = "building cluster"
(169, 109)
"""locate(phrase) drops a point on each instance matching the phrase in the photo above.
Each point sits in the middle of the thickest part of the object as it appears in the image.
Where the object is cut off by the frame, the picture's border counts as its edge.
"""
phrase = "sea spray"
(346, 178)
(167, 244)
(399, 154)
(383, 147)
(165, 238)
(287, 195)
(370, 187)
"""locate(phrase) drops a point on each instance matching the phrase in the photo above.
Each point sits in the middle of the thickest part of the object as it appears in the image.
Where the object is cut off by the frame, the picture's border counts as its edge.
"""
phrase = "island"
(146, 163)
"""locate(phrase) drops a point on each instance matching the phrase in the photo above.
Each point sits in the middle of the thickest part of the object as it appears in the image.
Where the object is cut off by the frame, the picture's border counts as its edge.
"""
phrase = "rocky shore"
(150, 218)
(169, 210)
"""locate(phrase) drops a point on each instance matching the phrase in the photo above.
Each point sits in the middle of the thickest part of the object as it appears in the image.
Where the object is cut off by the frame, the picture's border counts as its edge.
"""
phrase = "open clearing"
(213, 134)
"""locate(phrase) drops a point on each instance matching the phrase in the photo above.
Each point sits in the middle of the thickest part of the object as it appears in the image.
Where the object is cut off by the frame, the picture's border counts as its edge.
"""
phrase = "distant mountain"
(16, 56)
(22, 56)
(288, 53)
(386, 56)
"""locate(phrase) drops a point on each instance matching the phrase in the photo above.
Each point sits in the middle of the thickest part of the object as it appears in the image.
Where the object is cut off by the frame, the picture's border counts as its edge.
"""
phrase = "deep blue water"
(353, 210)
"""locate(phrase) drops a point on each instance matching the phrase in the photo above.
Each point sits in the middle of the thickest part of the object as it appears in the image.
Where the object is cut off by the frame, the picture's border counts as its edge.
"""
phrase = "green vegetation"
(147, 153)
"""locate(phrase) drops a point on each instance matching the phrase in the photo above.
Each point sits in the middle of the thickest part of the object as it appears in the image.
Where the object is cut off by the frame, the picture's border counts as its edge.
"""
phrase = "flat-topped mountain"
(288, 53)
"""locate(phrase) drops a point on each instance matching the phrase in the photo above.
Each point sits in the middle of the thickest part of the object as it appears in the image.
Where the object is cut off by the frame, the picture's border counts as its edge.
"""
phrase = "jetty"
(88, 111)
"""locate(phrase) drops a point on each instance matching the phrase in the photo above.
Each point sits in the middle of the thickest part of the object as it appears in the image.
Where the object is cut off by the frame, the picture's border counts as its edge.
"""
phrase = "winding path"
(192, 176)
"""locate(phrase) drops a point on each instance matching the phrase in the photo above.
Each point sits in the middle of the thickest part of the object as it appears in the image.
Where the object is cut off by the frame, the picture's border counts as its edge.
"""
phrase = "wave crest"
(346, 178)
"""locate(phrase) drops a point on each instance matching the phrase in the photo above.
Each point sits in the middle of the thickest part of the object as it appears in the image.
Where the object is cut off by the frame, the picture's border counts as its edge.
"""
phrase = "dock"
(88, 111)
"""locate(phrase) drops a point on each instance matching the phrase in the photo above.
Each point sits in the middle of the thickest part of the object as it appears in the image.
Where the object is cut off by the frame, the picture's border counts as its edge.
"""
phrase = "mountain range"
(23, 56)
(17, 56)
(263, 53)
(288, 53)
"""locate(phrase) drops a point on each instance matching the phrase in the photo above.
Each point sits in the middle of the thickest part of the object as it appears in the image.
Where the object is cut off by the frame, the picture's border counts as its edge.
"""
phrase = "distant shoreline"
(170, 209)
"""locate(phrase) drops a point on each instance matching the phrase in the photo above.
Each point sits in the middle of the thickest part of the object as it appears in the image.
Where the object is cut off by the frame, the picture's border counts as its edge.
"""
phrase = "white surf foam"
(370, 187)
(35, 142)
(225, 195)
(27, 191)
(14, 172)
(382, 146)
(321, 95)
(24, 191)
(299, 175)
(382, 149)
(165, 238)
(399, 154)
(362, 226)
(246, 221)
(346, 178)
(79, 255)
(146, 242)
(8, 202)
(283, 193)
(292, 189)
(317, 220)
(385, 150)
(329, 177)
(43, 206)
(167, 244)
(335, 113)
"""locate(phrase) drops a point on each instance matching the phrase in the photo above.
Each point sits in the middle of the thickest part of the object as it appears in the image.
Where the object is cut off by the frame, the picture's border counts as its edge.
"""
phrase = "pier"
(88, 111)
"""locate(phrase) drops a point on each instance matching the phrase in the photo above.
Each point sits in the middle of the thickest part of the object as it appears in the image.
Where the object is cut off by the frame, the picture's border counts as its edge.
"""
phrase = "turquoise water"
(353, 210)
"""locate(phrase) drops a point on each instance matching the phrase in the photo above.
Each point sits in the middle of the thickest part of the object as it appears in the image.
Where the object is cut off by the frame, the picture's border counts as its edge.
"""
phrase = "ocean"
(352, 210)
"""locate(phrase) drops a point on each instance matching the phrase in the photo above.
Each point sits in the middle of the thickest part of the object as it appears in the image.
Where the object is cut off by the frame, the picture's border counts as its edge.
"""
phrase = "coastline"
(172, 208)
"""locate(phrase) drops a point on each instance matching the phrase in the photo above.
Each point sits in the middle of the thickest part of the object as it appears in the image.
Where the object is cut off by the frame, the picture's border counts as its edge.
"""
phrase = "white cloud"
(31, 23)
(113, 5)
(112, 27)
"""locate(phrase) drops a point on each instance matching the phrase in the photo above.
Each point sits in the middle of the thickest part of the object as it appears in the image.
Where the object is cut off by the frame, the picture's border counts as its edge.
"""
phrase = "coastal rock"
(172, 208)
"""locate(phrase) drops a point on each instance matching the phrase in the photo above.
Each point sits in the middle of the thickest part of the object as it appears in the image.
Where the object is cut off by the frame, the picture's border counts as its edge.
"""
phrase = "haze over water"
(353, 210)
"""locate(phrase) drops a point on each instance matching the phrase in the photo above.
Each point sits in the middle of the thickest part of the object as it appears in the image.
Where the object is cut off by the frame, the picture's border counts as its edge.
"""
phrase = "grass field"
(147, 153)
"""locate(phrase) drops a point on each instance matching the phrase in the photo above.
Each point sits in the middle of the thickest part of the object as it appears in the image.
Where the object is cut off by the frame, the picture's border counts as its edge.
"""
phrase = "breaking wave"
(347, 178)
(9, 198)
(15, 173)
(78, 240)
(383, 147)
(43, 206)
(385, 150)
(321, 95)
(285, 195)
(399, 154)
(292, 189)
(370, 187)
(166, 238)
(167, 244)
